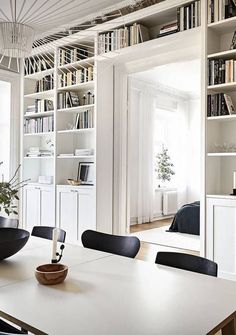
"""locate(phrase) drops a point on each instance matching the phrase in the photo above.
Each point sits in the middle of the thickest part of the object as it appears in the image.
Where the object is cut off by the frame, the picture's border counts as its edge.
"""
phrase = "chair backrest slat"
(127, 246)
(46, 232)
(187, 262)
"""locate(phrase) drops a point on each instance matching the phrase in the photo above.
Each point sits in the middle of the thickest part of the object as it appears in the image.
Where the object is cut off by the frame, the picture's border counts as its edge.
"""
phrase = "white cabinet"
(75, 211)
(221, 234)
(39, 206)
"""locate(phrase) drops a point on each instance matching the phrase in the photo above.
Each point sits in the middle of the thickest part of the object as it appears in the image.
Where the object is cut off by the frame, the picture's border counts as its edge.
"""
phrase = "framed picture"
(86, 173)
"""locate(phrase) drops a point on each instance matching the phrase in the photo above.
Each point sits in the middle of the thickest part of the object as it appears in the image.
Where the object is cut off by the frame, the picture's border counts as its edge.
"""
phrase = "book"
(229, 104)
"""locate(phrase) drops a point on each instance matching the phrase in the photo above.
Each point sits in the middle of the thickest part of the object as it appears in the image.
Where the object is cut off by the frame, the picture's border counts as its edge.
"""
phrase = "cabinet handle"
(37, 188)
(75, 191)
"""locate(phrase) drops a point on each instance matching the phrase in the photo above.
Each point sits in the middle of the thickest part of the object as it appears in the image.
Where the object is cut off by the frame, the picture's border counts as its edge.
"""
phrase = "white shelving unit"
(100, 136)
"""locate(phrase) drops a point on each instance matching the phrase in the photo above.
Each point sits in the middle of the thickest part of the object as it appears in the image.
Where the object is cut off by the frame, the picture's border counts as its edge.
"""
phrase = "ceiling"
(181, 76)
(47, 15)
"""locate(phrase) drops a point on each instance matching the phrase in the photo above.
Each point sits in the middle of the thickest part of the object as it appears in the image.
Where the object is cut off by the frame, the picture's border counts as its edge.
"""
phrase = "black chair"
(46, 232)
(8, 223)
(127, 246)
(6, 328)
(187, 262)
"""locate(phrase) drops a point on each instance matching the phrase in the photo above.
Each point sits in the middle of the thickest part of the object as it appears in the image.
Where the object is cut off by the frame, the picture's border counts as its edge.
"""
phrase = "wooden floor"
(148, 251)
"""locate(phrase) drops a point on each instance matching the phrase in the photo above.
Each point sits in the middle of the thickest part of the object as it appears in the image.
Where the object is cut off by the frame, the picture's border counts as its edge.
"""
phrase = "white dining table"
(106, 294)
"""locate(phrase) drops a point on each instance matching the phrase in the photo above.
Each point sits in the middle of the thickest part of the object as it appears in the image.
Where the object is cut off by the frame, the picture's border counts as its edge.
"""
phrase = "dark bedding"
(187, 219)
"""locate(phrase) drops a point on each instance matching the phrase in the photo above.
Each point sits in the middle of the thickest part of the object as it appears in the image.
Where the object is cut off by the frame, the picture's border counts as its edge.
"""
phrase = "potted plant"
(9, 193)
(163, 166)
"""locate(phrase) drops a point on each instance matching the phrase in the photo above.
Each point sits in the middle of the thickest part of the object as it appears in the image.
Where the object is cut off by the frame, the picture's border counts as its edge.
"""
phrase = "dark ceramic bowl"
(11, 241)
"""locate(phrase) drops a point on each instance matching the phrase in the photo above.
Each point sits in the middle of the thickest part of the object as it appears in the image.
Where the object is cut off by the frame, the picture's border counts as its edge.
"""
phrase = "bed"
(187, 219)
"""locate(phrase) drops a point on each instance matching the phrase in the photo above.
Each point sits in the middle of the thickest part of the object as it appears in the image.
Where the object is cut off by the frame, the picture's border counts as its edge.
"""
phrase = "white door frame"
(121, 149)
(14, 80)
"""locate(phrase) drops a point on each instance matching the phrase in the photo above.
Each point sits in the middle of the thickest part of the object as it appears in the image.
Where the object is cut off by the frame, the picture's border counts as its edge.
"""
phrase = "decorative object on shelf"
(74, 182)
(51, 274)
(234, 184)
(225, 147)
(163, 166)
(86, 173)
(84, 152)
(9, 192)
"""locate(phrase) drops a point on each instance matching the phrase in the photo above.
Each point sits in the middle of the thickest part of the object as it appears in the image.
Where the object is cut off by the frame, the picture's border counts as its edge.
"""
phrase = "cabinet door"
(86, 211)
(47, 207)
(221, 235)
(31, 207)
(67, 213)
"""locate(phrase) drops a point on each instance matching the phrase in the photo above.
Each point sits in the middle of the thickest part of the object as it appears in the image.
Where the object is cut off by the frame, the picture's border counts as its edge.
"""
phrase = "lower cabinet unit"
(75, 211)
(221, 234)
(39, 206)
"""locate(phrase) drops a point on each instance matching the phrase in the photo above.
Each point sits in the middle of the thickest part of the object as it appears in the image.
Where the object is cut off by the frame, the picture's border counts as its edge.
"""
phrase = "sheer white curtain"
(141, 127)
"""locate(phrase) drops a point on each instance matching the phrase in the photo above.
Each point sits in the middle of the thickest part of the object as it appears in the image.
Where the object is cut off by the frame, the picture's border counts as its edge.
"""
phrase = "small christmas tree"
(164, 166)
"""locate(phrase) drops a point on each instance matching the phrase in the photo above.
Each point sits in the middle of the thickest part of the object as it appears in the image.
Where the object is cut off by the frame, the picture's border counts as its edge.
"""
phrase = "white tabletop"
(119, 296)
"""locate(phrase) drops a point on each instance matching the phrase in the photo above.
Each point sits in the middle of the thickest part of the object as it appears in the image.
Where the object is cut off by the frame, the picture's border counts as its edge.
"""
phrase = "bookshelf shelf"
(86, 85)
(76, 157)
(39, 157)
(221, 154)
(75, 131)
(221, 88)
(39, 75)
(222, 118)
(40, 95)
(39, 134)
(223, 26)
(81, 63)
(228, 54)
(35, 115)
(75, 109)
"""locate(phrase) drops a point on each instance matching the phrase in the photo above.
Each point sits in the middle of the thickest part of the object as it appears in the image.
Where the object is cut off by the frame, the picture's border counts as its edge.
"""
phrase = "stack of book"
(72, 55)
(221, 71)
(30, 110)
(221, 9)
(45, 84)
(84, 120)
(37, 152)
(84, 152)
(75, 77)
(33, 64)
(168, 29)
(219, 104)
(189, 16)
(39, 125)
(122, 37)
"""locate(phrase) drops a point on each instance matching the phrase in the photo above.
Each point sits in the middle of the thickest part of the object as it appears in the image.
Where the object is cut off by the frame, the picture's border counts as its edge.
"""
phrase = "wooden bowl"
(73, 182)
(51, 274)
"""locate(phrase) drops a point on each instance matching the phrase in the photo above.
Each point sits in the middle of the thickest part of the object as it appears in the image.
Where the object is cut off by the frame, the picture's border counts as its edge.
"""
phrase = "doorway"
(164, 144)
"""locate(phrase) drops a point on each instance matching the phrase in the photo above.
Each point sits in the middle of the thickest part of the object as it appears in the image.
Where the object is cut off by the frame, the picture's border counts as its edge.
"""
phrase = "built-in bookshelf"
(221, 97)
(179, 19)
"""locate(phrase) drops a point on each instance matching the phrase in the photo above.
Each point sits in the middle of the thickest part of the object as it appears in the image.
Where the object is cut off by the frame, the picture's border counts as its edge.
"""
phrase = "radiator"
(169, 202)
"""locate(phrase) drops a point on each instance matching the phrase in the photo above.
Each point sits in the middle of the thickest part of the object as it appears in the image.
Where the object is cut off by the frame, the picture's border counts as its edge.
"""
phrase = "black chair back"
(127, 246)
(187, 262)
(6, 329)
(46, 232)
(8, 223)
